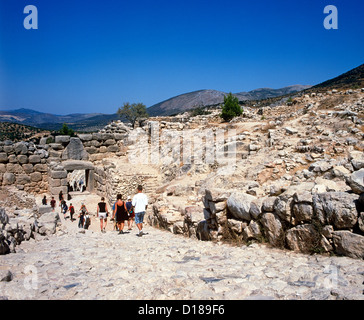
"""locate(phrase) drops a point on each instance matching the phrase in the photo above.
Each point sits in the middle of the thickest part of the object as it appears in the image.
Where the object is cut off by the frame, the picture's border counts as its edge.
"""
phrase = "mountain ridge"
(209, 97)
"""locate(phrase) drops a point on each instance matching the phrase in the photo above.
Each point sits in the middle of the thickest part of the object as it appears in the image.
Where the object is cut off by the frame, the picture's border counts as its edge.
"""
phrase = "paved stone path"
(160, 265)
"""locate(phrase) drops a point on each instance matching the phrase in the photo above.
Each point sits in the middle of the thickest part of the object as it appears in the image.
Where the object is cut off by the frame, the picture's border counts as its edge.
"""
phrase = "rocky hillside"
(296, 181)
(353, 79)
(205, 98)
(18, 132)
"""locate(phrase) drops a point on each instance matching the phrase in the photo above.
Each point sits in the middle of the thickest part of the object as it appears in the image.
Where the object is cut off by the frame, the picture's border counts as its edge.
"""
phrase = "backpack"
(87, 221)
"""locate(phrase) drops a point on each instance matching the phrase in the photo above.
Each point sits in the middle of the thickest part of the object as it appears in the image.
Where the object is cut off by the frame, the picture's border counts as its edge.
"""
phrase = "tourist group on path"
(132, 209)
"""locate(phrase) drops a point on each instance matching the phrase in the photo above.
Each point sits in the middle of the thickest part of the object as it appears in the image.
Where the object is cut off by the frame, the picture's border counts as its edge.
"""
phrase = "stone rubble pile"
(24, 224)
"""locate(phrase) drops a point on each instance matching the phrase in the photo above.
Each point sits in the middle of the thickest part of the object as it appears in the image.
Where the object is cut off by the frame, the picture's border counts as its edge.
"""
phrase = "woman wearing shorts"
(102, 214)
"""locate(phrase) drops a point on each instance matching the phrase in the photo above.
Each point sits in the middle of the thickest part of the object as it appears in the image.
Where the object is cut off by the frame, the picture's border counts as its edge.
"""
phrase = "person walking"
(83, 211)
(53, 204)
(44, 201)
(120, 213)
(140, 204)
(87, 220)
(129, 207)
(64, 208)
(102, 214)
(60, 197)
(72, 211)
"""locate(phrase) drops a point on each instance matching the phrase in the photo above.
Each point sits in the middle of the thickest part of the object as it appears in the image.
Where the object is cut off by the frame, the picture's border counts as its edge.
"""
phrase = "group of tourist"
(132, 210)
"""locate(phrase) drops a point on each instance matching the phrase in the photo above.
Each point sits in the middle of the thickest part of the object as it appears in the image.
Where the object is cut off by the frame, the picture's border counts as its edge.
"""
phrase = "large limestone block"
(238, 205)
(349, 244)
(336, 208)
(356, 181)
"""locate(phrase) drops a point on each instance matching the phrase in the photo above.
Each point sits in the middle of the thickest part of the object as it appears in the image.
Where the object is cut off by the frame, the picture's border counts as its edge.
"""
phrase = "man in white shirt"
(140, 204)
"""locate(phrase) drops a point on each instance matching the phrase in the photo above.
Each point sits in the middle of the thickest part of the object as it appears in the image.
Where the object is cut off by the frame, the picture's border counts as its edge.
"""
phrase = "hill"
(204, 98)
(48, 121)
(353, 79)
(18, 132)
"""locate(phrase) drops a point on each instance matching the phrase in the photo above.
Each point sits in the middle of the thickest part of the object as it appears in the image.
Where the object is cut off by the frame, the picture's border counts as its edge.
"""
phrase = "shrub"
(231, 108)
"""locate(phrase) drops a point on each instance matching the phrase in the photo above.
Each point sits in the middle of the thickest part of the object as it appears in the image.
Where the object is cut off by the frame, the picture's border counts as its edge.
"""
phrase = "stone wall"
(24, 165)
(109, 181)
(39, 168)
(298, 219)
(305, 217)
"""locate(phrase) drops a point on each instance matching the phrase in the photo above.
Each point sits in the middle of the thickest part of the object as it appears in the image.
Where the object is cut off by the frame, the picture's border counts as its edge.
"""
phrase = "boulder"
(8, 178)
(75, 150)
(3, 157)
(33, 159)
(320, 166)
(21, 148)
(302, 208)
(356, 181)
(349, 244)
(273, 229)
(85, 137)
(62, 139)
(59, 174)
(36, 177)
(282, 207)
(216, 206)
(47, 223)
(22, 179)
(357, 159)
(192, 216)
(217, 195)
(22, 159)
(304, 238)
(336, 208)
(252, 231)
(361, 221)
(4, 246)
(202, 231)
(4, 218)
(256, 208)
(236, 226)
(268, 204)
(112, 148)
(238, 205)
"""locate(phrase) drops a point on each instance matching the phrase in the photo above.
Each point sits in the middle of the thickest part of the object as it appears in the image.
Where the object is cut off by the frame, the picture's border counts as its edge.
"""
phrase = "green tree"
(65, 131)
(231, 108)
(133, 112)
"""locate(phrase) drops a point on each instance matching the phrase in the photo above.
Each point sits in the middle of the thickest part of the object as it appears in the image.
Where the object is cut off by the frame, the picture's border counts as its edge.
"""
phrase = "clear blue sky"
(91, 56)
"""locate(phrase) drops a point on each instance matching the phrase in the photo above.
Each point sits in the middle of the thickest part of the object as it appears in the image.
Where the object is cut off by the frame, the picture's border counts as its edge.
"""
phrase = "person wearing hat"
(102, 214)
(129, 207)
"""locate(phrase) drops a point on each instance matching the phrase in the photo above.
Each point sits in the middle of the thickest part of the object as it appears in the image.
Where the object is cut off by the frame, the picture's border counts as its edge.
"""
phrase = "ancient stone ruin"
(296, 181)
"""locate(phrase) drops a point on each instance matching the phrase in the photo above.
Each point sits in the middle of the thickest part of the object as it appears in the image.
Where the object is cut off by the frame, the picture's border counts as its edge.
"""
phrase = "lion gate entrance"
(63, 174)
